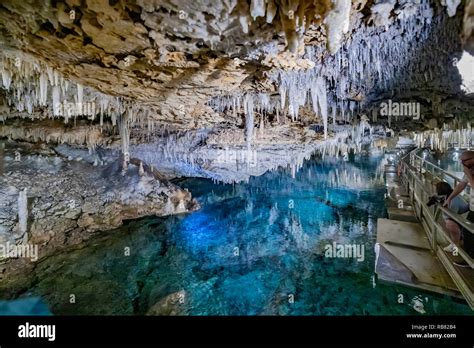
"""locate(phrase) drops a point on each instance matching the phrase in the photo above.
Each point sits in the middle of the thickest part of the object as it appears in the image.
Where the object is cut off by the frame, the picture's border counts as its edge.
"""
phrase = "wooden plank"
(405, 257)
(401, 232)
(390, 270)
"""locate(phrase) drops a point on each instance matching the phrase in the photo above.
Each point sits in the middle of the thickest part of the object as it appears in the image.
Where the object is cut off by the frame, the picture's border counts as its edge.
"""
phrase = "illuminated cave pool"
(254, 248)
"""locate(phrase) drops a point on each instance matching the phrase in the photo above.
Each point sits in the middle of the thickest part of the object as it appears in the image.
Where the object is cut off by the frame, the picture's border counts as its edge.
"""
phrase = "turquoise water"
(255, 248)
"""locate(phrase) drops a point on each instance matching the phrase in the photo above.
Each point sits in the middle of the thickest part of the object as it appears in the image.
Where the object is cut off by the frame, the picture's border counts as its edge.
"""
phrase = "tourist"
(457, 205)
(467, 160)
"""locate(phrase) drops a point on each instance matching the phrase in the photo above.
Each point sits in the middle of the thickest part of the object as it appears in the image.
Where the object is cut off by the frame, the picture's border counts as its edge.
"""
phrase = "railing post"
(421, 206)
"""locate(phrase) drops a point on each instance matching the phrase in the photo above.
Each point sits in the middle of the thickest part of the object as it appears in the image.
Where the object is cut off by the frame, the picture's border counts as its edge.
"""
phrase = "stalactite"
(319, 101)
(6, 79)
(442, 139)
(249, 120)
(36, 85)
(23, 211)
(80, 94)
(57, 106)
(124, 131)
(337, 24)
(43, 83)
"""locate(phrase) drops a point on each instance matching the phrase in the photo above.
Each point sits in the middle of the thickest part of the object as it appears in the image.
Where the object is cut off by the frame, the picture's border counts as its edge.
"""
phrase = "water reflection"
(254, 248)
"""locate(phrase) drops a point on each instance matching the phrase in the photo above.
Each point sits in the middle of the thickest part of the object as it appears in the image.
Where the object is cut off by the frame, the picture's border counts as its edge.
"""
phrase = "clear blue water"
(254, 248)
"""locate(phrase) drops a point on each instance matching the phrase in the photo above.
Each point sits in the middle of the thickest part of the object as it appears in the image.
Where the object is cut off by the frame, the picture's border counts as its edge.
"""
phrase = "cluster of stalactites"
(348, 140)
(339, 84)
(293, 17)
(294, 93)
(248, 104)
(91, 136)
(445, 138)
(32, 86)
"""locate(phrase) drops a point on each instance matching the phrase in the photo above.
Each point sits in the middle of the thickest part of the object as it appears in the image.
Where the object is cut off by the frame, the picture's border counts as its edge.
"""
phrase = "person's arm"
(469, 163)
(457, 190)
(468, 173)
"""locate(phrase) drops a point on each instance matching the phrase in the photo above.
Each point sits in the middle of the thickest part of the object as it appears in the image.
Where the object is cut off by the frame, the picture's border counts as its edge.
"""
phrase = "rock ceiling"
(174, 56)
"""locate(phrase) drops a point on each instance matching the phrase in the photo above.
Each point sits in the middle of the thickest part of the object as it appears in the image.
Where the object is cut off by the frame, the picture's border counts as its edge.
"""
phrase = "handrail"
(458, 218)
(418, 191)
(427, 213)
(435, 166)
(456, 179)
(433, 220)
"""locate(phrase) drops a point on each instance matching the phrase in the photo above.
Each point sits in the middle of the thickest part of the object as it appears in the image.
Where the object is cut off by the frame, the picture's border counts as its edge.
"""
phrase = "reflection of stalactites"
(273, 215)
(295, 228)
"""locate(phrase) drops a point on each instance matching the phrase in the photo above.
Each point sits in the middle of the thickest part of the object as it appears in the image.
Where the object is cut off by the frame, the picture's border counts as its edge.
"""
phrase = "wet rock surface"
(68, 200)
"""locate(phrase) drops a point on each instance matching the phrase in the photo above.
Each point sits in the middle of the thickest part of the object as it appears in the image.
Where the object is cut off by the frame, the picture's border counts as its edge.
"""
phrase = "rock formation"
(115, 93)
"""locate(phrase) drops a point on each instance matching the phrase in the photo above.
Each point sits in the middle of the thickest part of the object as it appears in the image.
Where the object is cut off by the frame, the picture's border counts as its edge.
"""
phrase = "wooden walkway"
(405, 257)
(408, 253)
